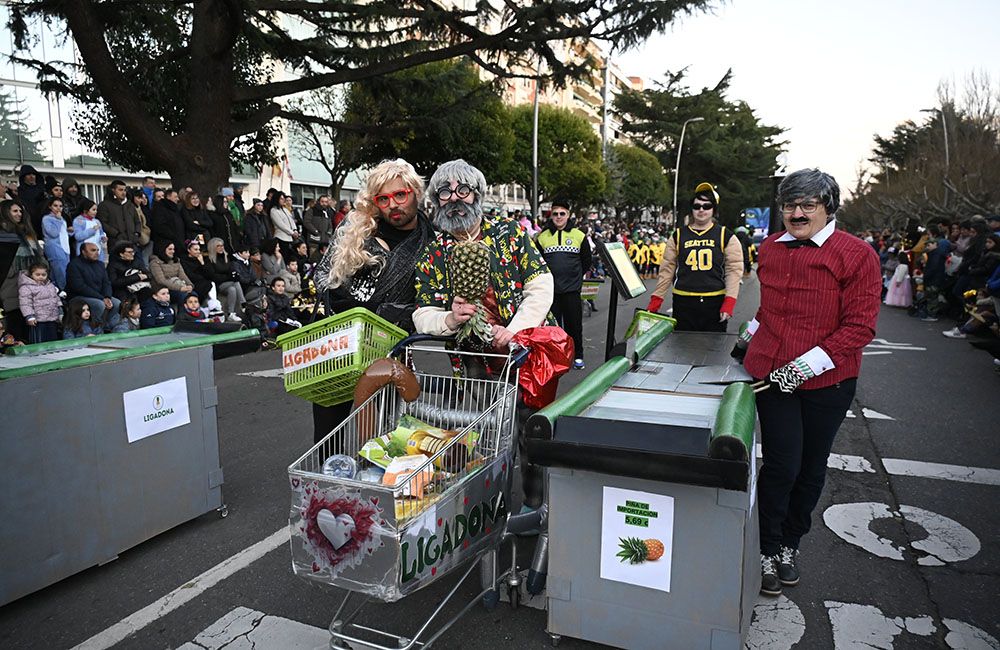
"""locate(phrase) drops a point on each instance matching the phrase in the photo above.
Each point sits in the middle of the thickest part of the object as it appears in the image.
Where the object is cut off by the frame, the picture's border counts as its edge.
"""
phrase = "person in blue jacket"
(157, 312)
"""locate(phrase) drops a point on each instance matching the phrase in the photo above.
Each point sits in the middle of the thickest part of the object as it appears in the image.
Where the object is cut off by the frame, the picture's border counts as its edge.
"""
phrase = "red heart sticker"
(465, 544)
(374, 501)
(465, 501)
(439, 522)
(315, 568)
(487, 482)
(434, 570)
(296, 483)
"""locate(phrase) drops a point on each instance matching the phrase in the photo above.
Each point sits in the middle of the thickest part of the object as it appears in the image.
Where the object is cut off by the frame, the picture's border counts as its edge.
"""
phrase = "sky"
(833, 72)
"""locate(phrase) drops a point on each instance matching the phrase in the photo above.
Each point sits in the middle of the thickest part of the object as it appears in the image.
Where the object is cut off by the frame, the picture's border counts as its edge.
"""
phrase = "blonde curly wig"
(349, 254)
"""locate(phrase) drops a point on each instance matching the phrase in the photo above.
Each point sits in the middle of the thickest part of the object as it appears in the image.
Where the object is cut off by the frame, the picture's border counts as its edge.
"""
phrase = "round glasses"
(462, 191)
(398, 197)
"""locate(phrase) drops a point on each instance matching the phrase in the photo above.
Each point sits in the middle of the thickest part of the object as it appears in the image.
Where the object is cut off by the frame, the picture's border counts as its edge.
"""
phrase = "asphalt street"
(902, 554)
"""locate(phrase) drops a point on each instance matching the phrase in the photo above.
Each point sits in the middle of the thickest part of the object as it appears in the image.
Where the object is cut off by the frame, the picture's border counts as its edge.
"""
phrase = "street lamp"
(677, 168)
(947, 157)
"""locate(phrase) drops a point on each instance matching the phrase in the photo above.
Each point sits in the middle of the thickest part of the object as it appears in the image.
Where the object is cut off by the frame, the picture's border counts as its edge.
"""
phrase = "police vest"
(701, 261)
(561, 250)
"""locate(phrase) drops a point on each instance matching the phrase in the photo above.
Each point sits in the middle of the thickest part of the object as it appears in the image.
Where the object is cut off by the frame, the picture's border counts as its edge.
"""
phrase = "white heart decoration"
(336, 528)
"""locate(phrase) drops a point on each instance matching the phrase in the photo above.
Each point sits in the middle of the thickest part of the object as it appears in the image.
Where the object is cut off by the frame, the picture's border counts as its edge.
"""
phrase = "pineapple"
(636, 551)
(469, 272)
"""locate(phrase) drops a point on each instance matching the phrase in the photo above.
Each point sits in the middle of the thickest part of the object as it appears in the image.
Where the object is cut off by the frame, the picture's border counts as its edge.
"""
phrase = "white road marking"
(872, 354)
(184, 593)
(872, 346)
(777, 624)
(272, 372)
(875, 415)
(844, 462)
(960, 473)
(245, 629)
(884, 342)
(865, 627)
(946, 541)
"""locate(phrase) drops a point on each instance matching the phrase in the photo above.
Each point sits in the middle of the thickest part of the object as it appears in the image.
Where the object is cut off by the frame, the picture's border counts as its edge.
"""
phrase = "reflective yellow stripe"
(679, 292)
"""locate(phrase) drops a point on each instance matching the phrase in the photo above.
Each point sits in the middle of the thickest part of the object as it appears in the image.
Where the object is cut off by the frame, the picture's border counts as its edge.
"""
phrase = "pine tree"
(18, 141)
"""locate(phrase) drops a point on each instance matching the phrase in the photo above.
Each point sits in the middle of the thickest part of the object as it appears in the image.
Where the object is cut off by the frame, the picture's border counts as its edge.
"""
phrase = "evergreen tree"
(18, 141)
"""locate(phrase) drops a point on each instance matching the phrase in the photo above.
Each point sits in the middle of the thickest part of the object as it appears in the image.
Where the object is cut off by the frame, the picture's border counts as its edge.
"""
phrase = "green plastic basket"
(324, 360)
(643, 321)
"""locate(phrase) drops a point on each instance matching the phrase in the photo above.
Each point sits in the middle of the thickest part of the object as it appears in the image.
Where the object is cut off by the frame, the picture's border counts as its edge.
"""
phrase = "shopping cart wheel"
(514, 595)
(490, 599)
(555, 639)
(223, 511)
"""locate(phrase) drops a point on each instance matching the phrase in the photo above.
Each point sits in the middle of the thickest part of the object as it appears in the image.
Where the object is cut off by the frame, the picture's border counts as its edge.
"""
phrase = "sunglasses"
(462, 191)
(560, 213)
(398, 197)
(703, 206)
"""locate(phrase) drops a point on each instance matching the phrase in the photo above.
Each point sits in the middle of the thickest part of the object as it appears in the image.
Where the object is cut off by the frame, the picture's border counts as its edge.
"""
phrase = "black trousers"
(797, 432)
(698, 313)
(568, 311)
(326, 418)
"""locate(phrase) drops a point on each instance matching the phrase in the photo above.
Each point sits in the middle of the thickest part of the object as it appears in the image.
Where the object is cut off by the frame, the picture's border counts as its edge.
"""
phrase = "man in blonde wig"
(373, 257)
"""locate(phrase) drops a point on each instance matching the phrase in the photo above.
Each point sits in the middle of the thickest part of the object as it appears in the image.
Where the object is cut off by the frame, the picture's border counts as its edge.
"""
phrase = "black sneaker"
(788, 573)
(769, 583)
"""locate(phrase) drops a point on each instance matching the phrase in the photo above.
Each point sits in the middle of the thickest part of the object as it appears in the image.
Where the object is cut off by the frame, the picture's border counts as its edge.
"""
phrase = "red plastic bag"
(551, 357)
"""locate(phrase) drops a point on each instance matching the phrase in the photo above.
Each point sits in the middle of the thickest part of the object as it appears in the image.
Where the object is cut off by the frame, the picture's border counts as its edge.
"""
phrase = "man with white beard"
(520, 285)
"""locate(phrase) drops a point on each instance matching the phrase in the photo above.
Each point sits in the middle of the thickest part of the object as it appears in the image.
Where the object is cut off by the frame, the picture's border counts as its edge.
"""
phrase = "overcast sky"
(832, 72)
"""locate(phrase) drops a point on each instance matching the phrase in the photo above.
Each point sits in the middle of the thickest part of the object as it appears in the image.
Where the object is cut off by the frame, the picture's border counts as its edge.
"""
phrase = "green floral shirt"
(514, 262)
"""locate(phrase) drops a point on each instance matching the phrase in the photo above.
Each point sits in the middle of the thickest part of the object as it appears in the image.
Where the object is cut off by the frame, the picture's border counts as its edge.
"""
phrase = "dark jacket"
(567, 252)
(318, 224)
(197, 221)
(71, 203)
(981, 271)
(279, 306)
(88, 279)
(167, 225)
(245, 274)
(32, 196)
(255, 231)
(120, 221)
(156, 314)
(221, 270)
(125, 274)
(200, 275)
(224, 227)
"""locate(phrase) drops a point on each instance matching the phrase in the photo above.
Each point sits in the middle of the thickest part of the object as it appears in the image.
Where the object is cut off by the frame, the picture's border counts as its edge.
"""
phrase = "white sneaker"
(233, 318)
(954, 333)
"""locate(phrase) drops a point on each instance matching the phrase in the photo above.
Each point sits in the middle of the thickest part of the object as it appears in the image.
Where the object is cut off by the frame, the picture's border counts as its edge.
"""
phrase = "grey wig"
(807, 183)
(460, 172)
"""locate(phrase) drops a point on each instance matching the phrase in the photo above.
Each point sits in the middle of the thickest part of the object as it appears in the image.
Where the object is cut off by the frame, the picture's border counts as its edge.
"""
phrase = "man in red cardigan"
(820, 292)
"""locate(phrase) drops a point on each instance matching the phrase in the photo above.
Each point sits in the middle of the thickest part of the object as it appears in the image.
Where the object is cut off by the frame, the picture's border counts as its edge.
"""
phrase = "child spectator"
(293, 281)
(157, 312)
(900, 290)
(191, 309)
(281, 306)
(78, 323)
(87, 228)
(131, 315)
(40, 304)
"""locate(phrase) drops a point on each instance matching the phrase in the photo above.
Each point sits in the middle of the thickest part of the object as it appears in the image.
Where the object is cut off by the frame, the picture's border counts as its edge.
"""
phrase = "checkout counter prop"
(652, 529)
(107, 442)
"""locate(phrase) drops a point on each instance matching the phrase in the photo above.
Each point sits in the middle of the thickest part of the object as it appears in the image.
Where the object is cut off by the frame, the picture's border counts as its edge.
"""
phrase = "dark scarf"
(388, 288)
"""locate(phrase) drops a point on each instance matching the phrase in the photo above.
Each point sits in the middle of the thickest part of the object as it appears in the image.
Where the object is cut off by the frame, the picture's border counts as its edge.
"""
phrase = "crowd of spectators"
(945, 270)
(147, 256)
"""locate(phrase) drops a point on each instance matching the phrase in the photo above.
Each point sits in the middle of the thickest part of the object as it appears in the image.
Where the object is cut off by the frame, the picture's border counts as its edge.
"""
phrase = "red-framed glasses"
(398, 197)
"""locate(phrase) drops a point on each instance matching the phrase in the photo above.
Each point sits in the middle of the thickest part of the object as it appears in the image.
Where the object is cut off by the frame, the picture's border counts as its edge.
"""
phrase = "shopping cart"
(388, 541)
(588, 293)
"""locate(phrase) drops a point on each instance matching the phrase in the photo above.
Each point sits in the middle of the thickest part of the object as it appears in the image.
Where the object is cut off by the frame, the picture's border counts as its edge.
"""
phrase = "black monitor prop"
(626, 281)
(623, 274)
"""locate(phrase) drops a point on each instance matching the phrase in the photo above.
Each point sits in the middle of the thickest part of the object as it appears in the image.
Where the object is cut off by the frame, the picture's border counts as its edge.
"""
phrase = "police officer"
(567, 252)
(703, 264)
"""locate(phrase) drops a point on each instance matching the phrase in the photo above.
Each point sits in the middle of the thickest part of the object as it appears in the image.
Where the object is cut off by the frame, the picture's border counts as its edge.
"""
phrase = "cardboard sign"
(155, 409)
(332, 346)
(637, 536)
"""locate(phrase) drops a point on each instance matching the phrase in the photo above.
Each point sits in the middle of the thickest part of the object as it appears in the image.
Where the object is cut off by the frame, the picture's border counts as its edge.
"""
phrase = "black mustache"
(800, 220)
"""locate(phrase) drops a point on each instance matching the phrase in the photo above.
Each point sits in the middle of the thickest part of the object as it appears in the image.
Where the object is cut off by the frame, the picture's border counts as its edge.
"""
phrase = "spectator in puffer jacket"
(40, 304)
(157, 312)
(87, 279)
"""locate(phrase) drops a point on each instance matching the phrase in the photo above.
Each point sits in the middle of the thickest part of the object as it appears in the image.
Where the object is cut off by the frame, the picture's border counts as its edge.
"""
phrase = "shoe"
(788, 572)
(769, 583)
(233, 318)
(578, 364)
(929, 319)
(954, 333)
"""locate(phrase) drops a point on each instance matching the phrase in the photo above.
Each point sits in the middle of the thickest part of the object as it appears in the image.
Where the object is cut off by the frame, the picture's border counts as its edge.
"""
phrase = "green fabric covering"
(732, 434)
(583, 394)
(651, 338)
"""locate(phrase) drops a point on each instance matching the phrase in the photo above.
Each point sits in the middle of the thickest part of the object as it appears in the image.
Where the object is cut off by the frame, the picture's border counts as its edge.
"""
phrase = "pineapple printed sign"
(637, 532)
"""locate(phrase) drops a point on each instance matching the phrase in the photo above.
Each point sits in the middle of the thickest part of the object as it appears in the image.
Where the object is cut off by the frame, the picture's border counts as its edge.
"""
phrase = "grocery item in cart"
(404, 469)
(340, 466)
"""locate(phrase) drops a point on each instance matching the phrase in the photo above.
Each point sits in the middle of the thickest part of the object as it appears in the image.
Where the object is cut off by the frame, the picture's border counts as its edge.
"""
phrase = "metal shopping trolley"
(388, 541)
